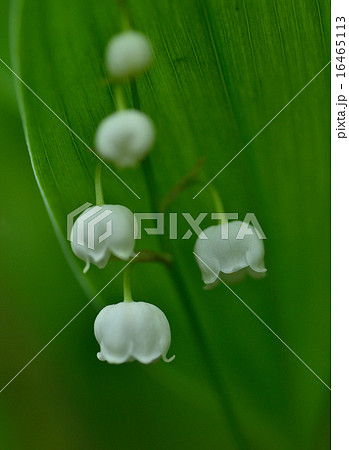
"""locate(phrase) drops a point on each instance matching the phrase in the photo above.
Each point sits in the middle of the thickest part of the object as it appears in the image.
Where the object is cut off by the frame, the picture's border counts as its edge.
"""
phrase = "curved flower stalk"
(221, 252)
(131, 331)
(128, 54)
(102, 231)
(125, 137)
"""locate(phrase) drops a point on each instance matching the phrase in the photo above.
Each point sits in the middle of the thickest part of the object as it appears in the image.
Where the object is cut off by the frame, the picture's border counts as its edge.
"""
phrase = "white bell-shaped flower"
(128, 54)
(230, 252)
(101, 231)
(125, 137)
(131, 331)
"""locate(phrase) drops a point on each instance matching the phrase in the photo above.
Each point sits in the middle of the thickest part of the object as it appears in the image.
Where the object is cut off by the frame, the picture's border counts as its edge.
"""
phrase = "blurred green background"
(223, 69)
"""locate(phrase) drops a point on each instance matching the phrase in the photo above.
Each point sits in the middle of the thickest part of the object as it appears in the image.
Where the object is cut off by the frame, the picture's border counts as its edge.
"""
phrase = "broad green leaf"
(223, 70)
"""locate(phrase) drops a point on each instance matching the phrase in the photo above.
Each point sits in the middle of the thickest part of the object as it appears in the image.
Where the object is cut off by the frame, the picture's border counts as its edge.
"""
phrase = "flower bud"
(229, 256)
(128, 54)
(125, 137)
(101, 231)
(131, 331)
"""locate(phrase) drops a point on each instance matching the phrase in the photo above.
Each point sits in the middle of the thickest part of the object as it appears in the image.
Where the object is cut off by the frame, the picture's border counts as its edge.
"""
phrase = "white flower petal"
(128, 54)
(113, 334)
(90, 242)
(230, 259)
(132, 331)
(125, 137)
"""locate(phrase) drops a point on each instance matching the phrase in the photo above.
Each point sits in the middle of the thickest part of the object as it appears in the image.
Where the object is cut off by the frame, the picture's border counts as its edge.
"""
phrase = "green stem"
(203, 345)
(218, 204)
(120, 101)
(125, 17)
(179, 284)
(148, 256)
(98, 185)
(135, 96)
(127, 284)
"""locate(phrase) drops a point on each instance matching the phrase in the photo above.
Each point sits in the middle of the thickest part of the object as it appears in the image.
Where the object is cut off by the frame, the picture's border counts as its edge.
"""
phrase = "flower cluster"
(129, 330)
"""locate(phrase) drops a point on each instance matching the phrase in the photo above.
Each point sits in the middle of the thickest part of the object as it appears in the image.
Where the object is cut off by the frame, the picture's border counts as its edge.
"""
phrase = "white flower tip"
(257, 273)
(86, 268)
(128, 54)
(123, 255)
(125, 137)
(168, 360)
(100, 356)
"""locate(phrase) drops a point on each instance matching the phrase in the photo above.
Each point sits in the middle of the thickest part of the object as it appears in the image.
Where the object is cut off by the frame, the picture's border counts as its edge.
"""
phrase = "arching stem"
(178, 281)
(218, 204)
(188, 180)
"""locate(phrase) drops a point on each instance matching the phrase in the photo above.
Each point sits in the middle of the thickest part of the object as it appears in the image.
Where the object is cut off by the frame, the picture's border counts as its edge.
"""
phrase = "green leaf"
(223, 70)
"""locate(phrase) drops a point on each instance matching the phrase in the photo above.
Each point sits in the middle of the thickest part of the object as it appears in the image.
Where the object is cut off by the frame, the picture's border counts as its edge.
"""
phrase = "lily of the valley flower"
(222, 252)
(128, 54)
(102, 231)
(125, 137)
(131, 331)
